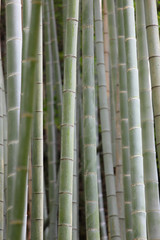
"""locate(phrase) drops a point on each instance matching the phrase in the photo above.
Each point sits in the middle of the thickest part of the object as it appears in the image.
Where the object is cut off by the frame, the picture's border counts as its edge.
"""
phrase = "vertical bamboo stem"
(105, 128)
(147, 121)
(37, 157)
(14, 58)
(154, 60)
(124, 120)
(67, 127)
(135, 136)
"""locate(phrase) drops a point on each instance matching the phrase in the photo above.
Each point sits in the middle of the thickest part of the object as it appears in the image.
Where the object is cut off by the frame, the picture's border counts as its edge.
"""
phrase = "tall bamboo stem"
(37, 157)
(113, 46)
(56, 62)
(14, 56)
(52, 164)
(67, 127)
(124, 120)
(135, 136)
(20, 183)
(154, 60)
(147, 121)
(105, 126)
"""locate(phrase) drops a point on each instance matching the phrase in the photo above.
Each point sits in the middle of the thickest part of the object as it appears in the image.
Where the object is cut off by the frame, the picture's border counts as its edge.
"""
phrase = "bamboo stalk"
(105, 126)
(113, 46)
(20, 183)
(67, 127)
(89, 123)
(37, 157)
(52, 154)
(14, 58)
(1, 155)
(56, 62)
(106, 50)
(154, 60)
(135, 136)
(147, 121)
(124, 120)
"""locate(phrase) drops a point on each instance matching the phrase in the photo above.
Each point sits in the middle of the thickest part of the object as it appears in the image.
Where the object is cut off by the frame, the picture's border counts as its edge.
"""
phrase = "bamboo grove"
(79, 120)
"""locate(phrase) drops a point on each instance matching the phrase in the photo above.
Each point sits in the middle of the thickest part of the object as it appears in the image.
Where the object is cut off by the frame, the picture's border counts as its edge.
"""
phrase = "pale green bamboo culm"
(113, 48)
(52, 163)
(20, 183)
(154, 60)
(56, 63)
(124, 120)
(89, 124)
(14, 51)
(149, 153)
(67, 127)
(1, 155)
(105, 127)
(135, 135)
(37, 156)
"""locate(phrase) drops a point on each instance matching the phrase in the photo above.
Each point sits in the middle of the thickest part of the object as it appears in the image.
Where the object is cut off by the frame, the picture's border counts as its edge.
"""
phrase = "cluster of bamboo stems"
(80, 151)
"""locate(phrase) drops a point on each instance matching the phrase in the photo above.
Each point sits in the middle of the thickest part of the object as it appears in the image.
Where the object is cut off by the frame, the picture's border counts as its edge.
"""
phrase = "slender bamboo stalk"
(124, 120)
(154, 60)
(67, 127)
(105, 125)
(37, 157)
(138, 194)
(29, 198)
(64, 6)
(89, 123)
(119, 168)
(14, 51)
(147, 121)
(113, 46)
(106, 50)
(55, 56)
(20, 183)
(52, 164)
(1, 155)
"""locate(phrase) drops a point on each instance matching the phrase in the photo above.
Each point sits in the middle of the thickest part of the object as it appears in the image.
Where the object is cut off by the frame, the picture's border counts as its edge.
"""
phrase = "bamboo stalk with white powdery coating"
(20, 183)
(147, 121)
(124, 120)
(68, 120)
(52, 163)
(37, 156)
(135, 135)
(89, 123)
(56, 63)
(154, 60)
(14, 59)
(113, 47)
(106, 131)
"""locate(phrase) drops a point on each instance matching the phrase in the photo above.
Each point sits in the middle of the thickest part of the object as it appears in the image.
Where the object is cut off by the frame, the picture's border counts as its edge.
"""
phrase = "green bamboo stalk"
(52, 164)
(124, 120)
(14, 51)
(119, 168)
(89, 123)
(105, 126)
(113, 46)
(16, 223)
(106, 50)
(147, 121)
(67, 127)
(1, 155)
(64, 6)
(75, 230)
(135, 136)
(154, 60)
(37, 157)
(56, 63)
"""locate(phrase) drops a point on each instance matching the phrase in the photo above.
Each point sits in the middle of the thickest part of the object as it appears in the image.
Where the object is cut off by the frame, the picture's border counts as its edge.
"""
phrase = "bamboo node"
(68, 91)
(126, 7)
(134, 156)
(130, 38)
(67, 159)
(14, 74)
(29, 60)
(64, 225)
(64, 192)
(72, 19)
(133, 98)
(130, 69)
(13, 38)
(137, 184)
(12, 109)
(16, 222)
(13, 142)
(138, 211)
(13, 3)
(67, 125)
(70, 55)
